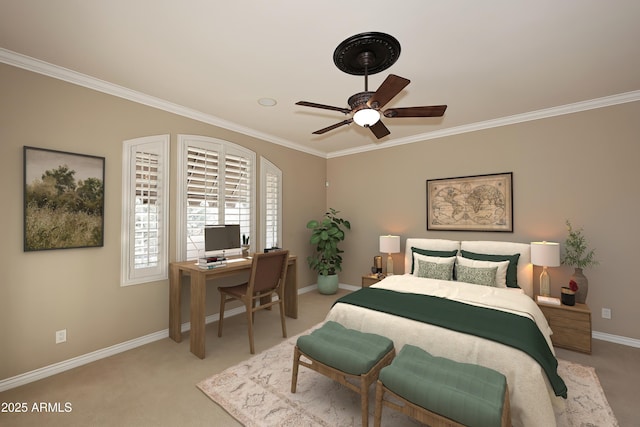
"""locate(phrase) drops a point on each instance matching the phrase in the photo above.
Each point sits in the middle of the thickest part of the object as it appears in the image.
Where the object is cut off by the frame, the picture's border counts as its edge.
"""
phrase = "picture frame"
(471, 203)
(63, 200)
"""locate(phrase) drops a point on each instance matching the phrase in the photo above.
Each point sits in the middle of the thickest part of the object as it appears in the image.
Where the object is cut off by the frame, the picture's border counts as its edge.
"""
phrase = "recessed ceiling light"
(267, 102)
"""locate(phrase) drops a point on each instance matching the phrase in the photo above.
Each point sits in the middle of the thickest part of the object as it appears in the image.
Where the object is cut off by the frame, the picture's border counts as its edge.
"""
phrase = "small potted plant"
(577, 255)
(568, 293)
(327, 261)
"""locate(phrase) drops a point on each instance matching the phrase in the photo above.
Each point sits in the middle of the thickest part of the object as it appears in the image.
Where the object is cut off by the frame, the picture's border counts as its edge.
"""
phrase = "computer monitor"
(221, 237)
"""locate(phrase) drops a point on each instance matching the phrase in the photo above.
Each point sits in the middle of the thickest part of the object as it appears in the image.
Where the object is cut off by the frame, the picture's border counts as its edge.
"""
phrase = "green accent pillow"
(512, 270)
(478, 276)
(428, 252)
(433, 270)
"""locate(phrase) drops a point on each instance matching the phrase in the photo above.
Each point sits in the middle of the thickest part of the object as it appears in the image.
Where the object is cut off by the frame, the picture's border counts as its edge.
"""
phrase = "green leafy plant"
(576, 252)
(325, 236)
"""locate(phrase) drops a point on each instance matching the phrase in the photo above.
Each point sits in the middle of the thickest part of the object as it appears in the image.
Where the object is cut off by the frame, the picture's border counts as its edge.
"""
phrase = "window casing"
(145, 211)
(271, 204)
(216, 185)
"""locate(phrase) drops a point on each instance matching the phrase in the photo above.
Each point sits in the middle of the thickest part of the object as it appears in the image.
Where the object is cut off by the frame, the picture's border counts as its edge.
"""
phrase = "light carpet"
(257, 392)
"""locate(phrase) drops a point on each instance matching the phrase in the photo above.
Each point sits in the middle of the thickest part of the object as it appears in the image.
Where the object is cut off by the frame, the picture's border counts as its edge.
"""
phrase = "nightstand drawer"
(561, 322)
(571, 326)
(572, 339)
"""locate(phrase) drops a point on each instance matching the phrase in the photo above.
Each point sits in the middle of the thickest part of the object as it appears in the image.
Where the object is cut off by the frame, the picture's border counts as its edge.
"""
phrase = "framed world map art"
(471, 203)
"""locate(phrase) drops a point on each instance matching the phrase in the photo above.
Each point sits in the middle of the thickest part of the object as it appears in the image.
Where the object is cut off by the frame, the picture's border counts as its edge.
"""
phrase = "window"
(271, 197)
(145, 177)
(216, 182)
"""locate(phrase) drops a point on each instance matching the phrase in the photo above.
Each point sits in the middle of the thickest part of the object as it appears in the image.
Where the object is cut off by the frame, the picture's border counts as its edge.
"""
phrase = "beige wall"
(582, 167)
(79, 289)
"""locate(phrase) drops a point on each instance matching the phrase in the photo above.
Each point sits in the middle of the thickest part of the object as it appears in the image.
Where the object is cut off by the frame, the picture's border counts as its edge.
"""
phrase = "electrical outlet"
(61, 336)
(606, 313)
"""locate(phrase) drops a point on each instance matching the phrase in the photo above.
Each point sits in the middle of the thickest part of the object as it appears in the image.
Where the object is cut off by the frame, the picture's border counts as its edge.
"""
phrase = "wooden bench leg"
(294, 374)
(364, 401)
(377, 416)
(342, 377)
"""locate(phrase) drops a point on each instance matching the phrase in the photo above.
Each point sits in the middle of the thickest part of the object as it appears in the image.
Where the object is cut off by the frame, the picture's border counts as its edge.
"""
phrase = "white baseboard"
(75, 362)
(315, 287)
(65, 365)
(631, 342)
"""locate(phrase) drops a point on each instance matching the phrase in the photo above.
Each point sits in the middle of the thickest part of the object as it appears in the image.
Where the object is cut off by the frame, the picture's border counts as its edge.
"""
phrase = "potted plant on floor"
(577, 255)
(327, 261)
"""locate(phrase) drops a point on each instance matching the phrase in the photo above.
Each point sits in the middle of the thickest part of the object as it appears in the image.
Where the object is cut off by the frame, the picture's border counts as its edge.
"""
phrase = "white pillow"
(436, 259)
(501, 273)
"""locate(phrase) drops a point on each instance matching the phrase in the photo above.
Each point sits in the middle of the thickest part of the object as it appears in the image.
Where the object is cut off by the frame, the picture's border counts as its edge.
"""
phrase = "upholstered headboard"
(525, 269)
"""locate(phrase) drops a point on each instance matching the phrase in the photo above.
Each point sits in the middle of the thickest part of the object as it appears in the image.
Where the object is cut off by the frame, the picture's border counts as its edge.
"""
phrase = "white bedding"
(531, 396)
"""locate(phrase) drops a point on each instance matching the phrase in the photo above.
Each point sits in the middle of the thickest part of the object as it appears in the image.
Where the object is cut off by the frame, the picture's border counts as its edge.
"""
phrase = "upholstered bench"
(441, 392)
(344, 354)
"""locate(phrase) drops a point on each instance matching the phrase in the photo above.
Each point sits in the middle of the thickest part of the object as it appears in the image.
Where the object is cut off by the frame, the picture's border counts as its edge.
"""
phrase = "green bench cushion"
(344, 349)
(470, 394)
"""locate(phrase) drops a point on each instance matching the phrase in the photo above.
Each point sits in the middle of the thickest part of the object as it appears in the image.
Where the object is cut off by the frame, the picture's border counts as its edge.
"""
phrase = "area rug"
(257, 392)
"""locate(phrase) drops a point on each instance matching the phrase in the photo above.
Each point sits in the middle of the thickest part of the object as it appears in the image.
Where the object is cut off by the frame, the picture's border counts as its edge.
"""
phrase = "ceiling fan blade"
(379, 129)
(390, 87)
(332, 127)
(431, 111)
(326, 107)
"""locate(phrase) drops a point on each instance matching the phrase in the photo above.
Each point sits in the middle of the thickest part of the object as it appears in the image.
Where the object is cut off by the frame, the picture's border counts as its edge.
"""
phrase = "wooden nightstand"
(571, 326)
(369, 280)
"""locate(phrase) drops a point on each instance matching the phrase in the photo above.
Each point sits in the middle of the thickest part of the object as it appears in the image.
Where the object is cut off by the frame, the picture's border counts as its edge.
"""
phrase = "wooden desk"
(198, 280)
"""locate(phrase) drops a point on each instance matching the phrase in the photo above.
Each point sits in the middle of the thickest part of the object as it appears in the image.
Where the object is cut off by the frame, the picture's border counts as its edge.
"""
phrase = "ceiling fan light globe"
(366, 117)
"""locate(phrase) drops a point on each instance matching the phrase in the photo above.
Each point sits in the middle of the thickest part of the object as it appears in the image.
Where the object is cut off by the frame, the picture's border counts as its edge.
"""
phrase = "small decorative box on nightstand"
(369, 280)
(571, 325)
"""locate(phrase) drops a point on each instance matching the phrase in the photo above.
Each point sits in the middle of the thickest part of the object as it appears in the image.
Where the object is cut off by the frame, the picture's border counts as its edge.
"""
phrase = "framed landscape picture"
(63, 200)
(471, 203)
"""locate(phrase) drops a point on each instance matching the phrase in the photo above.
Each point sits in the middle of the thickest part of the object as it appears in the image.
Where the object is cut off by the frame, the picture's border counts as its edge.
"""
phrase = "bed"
(534, 392)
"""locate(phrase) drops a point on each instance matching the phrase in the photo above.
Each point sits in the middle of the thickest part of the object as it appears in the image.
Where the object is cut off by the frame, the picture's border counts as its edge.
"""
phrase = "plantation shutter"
(147, 211)
(271, 210)
(203, 196)
(271, 195)
(218, 190)
(145, 217)
(237, 192)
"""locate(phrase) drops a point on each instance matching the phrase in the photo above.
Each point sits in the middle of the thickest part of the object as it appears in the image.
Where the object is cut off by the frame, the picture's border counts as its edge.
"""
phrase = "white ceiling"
(492, 62)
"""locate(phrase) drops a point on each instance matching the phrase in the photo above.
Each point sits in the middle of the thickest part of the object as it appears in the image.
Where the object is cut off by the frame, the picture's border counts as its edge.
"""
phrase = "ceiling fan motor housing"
(359, 100)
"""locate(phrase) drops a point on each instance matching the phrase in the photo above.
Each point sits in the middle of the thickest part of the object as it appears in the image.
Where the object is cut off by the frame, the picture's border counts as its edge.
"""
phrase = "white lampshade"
(390, 244)
(545, 254)
(366, 117)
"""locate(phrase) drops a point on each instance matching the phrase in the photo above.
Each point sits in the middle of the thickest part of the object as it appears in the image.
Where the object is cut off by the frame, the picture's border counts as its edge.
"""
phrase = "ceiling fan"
(365, 54)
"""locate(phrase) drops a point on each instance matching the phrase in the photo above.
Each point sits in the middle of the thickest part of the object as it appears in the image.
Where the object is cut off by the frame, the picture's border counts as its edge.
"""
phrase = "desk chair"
(268, 273)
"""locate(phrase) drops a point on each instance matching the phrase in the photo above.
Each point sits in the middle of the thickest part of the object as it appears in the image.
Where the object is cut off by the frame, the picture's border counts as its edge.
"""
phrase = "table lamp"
(545, 254)
(389, 245)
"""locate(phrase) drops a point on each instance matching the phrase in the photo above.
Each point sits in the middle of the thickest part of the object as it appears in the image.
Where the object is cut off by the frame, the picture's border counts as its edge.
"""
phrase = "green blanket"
(506, 328)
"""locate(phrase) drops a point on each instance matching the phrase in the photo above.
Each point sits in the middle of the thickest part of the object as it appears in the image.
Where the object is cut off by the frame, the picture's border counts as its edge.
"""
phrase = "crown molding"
(70, 76)
(503, 121)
